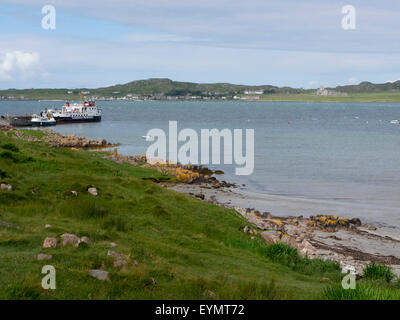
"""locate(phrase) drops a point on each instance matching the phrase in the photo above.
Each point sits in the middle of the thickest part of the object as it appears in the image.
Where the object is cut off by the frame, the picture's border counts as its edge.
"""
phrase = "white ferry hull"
(76, 118)
(43, 123)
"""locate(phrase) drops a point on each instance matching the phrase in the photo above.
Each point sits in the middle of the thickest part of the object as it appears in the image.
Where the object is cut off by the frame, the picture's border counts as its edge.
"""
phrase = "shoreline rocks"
(70, 239)
(58, 140)
(5, 186)
(99, 274)
(190, 174)
(42, 256)
(93, 191)
(50, 243)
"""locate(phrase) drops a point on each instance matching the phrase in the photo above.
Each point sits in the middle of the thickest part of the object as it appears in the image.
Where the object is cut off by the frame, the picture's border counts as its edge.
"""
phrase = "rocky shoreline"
(348, 241)
(58, 140)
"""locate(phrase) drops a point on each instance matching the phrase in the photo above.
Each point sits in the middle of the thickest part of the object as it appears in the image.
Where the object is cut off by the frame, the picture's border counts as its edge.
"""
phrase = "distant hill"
(170, 87)
(166, 87)
(157, 86)
(370, 87)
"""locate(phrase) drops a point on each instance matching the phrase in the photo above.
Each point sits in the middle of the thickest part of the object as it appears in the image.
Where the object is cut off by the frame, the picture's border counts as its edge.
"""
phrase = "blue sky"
(279, 42)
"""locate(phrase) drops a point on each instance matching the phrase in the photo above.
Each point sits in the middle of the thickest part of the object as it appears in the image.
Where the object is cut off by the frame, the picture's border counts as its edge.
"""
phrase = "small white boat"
(42, 121)
(148, 137)
(394, 121)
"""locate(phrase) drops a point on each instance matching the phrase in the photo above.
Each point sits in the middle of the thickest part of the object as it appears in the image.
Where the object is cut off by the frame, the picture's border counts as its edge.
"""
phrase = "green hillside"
(176, 246)
(163, 244)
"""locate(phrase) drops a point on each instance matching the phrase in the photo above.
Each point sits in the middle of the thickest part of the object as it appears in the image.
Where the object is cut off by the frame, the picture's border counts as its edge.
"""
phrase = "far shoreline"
(213, 101)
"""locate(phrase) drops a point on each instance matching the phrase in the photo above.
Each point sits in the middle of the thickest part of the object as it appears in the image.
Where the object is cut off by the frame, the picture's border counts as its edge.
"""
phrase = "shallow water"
(323, 155)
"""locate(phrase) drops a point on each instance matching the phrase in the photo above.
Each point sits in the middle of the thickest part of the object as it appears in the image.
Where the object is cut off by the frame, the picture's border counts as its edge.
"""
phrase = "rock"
(99, 274)
(85, 240)
(7, 187)
(42, 256)
(154, 161)
(114, 254)
(371, 228)
(356, 222)
(210, 294)
(74, 193)
(200, 196)
(70, 239)
(50, 243)
(47, 226)
(113, 244)
(306, 248)
(270, 237)
(246, 229)
(241, 211)
(267, 215)
(119, 263)
(119, 258)
(288, 240)
(93, 191)
(301, 237)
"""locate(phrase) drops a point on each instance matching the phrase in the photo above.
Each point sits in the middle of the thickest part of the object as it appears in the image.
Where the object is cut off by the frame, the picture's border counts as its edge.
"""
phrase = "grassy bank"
(177, 247)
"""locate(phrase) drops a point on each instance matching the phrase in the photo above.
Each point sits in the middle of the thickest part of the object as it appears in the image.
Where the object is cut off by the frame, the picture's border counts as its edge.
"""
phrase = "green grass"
(365, 290)
(375, 271)
(194, 250)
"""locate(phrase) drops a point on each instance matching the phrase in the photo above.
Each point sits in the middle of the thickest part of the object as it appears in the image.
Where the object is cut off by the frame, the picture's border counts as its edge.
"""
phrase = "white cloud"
(19, 65)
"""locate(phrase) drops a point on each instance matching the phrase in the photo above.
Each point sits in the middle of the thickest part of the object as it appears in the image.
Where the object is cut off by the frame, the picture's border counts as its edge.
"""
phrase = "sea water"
(311, 158)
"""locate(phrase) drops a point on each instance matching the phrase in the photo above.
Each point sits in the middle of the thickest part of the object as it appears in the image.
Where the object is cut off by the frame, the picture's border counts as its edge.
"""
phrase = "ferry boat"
(42, 121)
(76, 112)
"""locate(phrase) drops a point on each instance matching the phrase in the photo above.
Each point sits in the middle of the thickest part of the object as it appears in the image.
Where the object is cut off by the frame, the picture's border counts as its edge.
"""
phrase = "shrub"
(375, 271)
(17, 158)
(10, 146)
(8, 155)
(3, 174)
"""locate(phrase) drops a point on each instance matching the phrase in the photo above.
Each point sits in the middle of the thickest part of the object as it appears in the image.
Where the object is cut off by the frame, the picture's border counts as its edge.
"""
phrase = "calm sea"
(339, 155)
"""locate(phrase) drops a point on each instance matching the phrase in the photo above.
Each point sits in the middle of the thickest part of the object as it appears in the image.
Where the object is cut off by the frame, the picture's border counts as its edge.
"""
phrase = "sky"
(278, 42)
